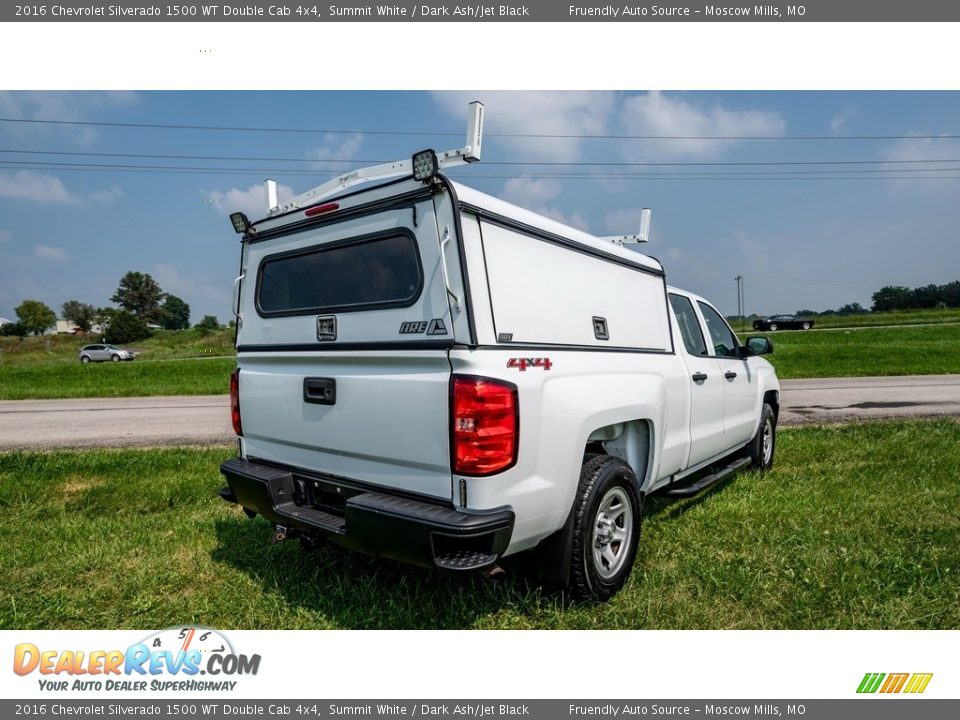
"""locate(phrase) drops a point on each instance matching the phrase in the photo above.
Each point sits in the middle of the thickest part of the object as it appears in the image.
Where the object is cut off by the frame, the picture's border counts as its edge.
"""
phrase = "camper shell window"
(363, 273)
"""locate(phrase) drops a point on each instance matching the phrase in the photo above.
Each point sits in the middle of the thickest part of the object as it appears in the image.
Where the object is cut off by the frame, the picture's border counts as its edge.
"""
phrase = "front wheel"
(773, 327)
(764, 443)
(607, 514)
(115, 358)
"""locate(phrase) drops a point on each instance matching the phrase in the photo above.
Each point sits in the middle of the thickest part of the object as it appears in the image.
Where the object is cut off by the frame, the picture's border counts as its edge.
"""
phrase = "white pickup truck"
(432, 374)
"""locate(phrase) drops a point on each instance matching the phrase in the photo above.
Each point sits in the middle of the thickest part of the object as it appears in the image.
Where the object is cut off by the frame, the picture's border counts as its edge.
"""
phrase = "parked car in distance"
(783, 322)
(103, 352)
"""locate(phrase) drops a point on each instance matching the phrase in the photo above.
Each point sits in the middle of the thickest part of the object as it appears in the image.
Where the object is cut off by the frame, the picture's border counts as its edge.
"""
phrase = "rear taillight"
(235, 401)
(485, 424)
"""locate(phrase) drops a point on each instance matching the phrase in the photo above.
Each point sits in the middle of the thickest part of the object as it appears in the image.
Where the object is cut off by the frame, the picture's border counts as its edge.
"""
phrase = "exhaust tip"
(495, 573)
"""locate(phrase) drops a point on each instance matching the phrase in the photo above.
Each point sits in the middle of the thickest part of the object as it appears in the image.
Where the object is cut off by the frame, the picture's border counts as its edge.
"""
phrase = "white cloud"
(527, 191)
(46, 252)
(60, 105)
(536, 113)
(252, 201)
(654, 113)
(333, 148)
(922, 149)
(842, 118)
(574, 219)
(107, 196)
(535, 193)
(31, 185)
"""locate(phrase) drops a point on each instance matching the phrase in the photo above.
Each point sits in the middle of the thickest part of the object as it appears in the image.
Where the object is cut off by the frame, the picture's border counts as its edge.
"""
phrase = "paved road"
(115, 422)
(205, 420)
(868, 398)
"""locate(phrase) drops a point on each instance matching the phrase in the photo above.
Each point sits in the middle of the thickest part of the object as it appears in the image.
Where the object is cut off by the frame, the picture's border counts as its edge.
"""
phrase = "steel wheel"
(806, 326)
(763, 446)
(773, 327)
(613, 528)
(606, 528)
(766, 447)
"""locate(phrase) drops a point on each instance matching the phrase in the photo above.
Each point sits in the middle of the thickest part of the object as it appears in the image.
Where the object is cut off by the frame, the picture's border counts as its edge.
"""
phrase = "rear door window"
(689, 325)
(358, 274)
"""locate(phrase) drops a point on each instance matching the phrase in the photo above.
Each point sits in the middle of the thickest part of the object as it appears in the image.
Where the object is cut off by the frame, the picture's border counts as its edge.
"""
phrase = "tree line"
(141, 300)
(897, 297)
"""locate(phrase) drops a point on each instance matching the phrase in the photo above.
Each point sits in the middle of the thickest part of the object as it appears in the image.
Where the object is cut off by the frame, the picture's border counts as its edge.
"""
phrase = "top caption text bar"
(529, 11)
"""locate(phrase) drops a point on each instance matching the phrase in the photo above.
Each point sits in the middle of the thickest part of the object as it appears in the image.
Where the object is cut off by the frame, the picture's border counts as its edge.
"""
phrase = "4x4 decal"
(523, 363)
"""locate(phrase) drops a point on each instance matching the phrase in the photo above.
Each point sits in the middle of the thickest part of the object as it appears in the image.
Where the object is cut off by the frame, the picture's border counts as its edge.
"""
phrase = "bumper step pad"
(421, 532)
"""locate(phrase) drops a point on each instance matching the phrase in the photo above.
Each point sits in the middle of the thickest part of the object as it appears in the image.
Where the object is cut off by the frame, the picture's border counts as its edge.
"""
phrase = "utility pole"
(740, 303)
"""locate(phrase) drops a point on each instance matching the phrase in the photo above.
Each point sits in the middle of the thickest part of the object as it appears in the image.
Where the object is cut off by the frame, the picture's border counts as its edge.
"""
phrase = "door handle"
(699, 377)
(729, 374)
(320, 391)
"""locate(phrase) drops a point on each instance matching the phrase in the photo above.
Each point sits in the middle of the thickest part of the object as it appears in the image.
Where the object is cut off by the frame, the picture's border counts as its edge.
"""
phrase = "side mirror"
(757, 345)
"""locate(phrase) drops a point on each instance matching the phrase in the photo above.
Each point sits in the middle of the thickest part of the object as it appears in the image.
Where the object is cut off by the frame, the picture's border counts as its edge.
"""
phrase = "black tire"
(85, 359)
(773, 327)
(761, 458)
(115, 358)
(605, 482)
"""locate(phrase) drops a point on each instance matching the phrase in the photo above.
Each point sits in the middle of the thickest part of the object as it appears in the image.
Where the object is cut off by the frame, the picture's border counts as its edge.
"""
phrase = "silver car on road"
(103, 352)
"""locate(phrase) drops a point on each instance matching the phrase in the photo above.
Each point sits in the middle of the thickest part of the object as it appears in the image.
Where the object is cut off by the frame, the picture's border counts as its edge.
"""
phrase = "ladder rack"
(469, 153)
(641, 237)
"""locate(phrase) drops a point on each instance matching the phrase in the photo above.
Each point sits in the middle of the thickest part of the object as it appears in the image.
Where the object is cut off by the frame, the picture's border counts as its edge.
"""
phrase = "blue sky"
(803, 236)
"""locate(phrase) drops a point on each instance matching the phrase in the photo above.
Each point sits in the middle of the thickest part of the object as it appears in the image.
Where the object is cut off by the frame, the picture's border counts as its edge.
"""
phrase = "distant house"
(65, 327)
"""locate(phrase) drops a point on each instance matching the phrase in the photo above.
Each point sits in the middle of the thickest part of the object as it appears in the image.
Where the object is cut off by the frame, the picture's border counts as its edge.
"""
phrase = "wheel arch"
(632, 441)
(772, 398)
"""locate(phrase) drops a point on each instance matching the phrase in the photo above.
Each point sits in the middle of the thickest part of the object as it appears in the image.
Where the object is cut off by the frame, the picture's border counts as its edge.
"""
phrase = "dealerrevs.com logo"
(173, 659)
(889, 683)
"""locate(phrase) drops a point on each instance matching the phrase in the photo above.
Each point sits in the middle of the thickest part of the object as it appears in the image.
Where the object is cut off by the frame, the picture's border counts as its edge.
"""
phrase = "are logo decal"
(523, 363)
(433, 327)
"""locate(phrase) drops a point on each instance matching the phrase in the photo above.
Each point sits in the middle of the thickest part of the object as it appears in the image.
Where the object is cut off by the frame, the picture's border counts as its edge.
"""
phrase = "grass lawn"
(856, 527)
(835, 353)
(875, 351)
(893, 317)
(186, 362)
(52, 379)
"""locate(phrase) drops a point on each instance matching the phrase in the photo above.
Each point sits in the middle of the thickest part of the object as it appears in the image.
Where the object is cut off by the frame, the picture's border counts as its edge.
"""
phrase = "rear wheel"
(764, 443)
(806, 326)
(773, 326)
(85, 359)
(607, 515)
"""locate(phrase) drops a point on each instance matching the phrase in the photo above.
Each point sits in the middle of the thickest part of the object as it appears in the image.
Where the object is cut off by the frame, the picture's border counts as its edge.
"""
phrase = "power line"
(593, 178)
(486, 163)
(27, 164)
(561, 136)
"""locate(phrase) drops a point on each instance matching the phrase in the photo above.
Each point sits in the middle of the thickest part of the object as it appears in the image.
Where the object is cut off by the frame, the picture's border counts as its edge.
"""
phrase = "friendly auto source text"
(292, 10)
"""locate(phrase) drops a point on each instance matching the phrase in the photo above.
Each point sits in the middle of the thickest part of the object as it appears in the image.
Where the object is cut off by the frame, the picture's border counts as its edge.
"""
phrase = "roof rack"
(643, 236)
(469, 153)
